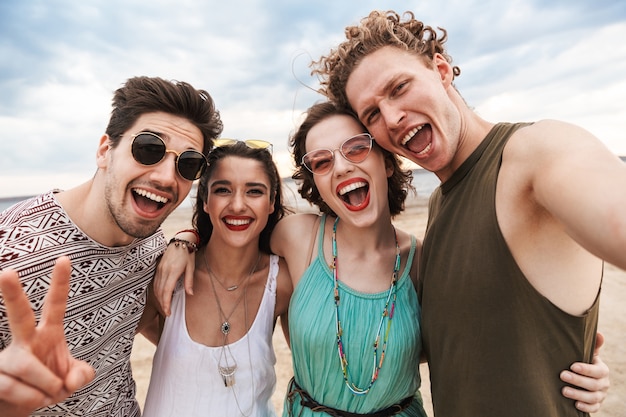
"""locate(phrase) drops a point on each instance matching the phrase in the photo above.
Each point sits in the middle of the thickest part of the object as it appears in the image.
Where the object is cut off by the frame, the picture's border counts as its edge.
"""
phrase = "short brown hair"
(141, 95)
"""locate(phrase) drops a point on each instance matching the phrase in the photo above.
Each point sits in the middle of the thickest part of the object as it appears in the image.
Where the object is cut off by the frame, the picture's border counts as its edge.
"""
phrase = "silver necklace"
(228, 372)
(227, 365)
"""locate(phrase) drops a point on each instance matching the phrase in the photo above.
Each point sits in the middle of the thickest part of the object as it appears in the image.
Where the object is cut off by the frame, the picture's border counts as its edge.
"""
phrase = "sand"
(612, 325)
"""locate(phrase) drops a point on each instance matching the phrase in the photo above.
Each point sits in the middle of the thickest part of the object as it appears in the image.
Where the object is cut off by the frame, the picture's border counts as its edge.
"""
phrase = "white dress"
(185, 380)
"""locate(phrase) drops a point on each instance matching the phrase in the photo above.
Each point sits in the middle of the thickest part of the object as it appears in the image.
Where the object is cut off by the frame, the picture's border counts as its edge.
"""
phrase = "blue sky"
(62, 60)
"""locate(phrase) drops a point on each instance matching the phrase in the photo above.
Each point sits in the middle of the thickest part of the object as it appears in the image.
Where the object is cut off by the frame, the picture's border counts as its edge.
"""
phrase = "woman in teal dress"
(353, 316)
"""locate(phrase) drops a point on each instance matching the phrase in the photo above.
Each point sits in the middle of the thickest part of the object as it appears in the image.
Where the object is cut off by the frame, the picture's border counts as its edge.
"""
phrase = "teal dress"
(316, 364)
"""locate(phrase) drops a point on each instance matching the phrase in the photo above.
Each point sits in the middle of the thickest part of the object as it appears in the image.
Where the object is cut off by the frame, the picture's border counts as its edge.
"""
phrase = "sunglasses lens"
(191, 165)
(319, 161)
(258, 144)
(148, 149)
(356, 149)
(223, 142)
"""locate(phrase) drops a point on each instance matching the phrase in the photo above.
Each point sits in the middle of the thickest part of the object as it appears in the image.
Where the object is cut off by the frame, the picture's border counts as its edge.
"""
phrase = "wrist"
(185, 244)
(189, 235)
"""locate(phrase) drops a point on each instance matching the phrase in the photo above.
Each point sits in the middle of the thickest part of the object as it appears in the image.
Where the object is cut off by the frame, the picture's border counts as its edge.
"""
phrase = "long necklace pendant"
(225, 328)
(228, 375)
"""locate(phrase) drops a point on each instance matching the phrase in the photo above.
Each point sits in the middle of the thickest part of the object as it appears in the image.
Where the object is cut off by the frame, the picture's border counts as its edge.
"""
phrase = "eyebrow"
(388, 86)
(248, 184)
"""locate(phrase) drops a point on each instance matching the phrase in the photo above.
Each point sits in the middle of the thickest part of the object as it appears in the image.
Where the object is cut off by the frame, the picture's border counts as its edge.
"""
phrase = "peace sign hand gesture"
(37, 368)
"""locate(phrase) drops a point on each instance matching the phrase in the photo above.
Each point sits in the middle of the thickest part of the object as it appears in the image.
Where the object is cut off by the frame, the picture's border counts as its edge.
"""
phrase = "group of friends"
(501, 297)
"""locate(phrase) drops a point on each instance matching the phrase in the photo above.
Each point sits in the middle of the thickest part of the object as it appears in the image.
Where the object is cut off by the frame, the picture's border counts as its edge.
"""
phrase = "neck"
(228, 263)
(374, 237)
(84, 204)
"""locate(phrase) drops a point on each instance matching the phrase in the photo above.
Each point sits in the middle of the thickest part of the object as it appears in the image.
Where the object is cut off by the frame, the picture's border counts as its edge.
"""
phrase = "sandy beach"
(612, 325)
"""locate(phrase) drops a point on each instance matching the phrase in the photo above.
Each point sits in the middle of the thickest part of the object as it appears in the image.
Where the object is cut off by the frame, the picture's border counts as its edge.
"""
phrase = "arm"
(284, 289)
(37, 368)
(152, 320)
(176, 260)
(583, 185)
(593, 379)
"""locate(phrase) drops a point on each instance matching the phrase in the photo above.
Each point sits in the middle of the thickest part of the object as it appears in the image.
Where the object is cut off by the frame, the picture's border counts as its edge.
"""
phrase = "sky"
(61, 61)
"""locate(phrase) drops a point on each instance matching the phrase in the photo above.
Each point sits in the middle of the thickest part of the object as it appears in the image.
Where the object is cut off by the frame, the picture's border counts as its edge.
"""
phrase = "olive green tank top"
(495, 346)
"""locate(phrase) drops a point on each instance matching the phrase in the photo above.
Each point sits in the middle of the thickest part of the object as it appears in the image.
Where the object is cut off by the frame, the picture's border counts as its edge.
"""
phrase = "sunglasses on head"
(354, 149)
(148, 149)
(250, 143)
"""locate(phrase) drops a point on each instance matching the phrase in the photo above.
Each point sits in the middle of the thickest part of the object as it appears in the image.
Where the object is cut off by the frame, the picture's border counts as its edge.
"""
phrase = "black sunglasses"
(149, 149)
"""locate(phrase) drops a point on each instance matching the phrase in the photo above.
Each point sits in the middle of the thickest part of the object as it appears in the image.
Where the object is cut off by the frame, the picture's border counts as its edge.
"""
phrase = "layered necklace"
(227, 365)
(387, 313)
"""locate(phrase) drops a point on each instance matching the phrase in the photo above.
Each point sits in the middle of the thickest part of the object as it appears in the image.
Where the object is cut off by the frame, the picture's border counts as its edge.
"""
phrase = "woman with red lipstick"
(215, 353)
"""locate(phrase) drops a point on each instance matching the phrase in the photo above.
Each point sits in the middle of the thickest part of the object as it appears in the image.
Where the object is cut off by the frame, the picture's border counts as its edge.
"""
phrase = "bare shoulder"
(549, 136)
(295, 226)
(404, 240)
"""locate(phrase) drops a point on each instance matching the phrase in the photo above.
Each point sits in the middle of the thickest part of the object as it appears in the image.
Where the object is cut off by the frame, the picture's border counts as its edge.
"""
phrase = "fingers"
(599, 343)
(189, 270)
(25, 380)
(591, 383)
(79, 375)
(584, 400)
(19, 311)
(56, 298)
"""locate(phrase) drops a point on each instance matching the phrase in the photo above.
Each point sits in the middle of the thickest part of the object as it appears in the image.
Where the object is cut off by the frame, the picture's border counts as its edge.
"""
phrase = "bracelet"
(190, 246)
(195, 233)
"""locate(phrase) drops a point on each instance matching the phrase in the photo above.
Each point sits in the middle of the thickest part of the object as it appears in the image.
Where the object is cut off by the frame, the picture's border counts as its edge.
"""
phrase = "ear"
(444, 69)
(102, 154)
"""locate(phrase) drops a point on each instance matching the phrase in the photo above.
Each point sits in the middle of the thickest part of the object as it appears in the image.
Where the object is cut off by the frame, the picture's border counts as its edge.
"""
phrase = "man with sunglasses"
(108, 230)
(517, 234)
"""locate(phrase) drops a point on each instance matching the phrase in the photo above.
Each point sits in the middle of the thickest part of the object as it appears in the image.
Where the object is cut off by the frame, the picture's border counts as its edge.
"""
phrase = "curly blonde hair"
(374, 32)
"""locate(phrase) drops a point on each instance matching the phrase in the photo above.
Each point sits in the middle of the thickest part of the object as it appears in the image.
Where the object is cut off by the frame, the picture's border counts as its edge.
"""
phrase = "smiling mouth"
(418, 140)
(354, 194)
(237, 222)
(147, 201)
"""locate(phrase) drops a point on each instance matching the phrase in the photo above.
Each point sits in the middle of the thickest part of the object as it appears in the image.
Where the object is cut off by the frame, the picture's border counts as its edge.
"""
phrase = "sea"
(423, 181)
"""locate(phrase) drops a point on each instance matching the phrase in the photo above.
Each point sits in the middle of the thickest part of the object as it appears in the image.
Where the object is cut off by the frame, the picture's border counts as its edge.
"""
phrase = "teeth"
(411, 134)
(426, 149)
(237, 222)
(352, 187)
(151, 196)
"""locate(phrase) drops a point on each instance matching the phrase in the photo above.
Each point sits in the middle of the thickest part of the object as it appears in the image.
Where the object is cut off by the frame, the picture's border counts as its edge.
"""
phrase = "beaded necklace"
(391, 296)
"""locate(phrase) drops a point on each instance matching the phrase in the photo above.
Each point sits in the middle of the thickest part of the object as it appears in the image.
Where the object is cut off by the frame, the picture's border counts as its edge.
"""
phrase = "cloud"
(62, 60)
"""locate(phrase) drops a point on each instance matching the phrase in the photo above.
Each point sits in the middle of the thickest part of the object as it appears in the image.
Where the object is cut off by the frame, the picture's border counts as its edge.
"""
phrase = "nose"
(238, 203)
(341, 165)
(391, 114)
(164, 172)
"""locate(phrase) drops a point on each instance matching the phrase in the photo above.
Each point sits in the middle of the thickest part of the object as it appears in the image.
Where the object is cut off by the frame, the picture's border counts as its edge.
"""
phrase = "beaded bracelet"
(190, 246)
(193, 231)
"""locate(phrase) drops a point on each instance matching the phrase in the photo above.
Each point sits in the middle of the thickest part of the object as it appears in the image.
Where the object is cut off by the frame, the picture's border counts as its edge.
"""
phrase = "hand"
(37, 368)
(175, 261)
(592, 378)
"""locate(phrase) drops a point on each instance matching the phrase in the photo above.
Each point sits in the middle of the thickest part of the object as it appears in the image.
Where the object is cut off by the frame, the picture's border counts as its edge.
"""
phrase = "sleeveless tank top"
(185, 380)
(495, 345)
(314, 347)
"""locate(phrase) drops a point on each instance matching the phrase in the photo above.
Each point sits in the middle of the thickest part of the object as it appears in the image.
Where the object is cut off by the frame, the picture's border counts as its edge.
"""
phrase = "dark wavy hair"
(201, 220)
(374, 32)
(399, 183)
(141, 95)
